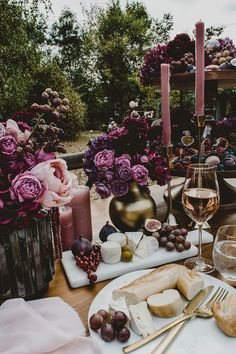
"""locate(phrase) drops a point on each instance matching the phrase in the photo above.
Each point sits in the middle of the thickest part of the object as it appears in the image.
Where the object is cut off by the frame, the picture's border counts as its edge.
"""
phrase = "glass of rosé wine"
(200, 199)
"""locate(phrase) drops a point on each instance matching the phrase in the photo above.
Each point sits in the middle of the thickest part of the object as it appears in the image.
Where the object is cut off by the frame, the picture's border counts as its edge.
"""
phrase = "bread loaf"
(225, 315)
(166, 304)
(166, 277)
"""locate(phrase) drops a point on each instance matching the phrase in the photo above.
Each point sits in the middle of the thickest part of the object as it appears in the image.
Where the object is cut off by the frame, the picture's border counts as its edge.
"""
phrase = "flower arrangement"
(31, 177)
(179, 53)
(128, 153)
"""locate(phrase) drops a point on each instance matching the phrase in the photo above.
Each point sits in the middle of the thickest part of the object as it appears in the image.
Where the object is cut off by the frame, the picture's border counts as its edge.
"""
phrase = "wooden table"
(81, 298)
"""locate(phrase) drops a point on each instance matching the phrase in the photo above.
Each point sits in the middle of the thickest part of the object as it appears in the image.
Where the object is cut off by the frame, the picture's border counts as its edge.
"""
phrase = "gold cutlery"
(218, 296)
(189, 309)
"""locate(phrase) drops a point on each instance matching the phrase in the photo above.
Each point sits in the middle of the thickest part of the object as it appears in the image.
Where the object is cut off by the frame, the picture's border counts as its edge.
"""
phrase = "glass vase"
(26, 261)
(129, 212)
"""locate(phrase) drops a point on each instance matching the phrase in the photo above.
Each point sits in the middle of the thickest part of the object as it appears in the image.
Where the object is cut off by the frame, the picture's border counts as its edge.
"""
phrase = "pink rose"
(25, 187)
(8, 145)
(57, 182)
(140, 174)
(2, 130)
(123, 160)
(104, 159)
(13, 129)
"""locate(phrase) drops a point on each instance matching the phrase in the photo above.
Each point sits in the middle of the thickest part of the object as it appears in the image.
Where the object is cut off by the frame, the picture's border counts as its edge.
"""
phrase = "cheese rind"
(141, 320)
(147, 246)
(111, 252)
(117, 237)
(133, 239)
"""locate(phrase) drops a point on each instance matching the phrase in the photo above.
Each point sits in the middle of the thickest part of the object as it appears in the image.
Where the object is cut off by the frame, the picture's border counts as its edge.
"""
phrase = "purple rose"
(30, 160)
(117, 133)
(161, 175)
(103, 190)
(104, 159)
(2, 130)
(99, 143)
(119, 188)
(8, 145)
(144, 159)
(25, 187)
(140, 174)
(42, 156)
(123, 160)
(124, 173)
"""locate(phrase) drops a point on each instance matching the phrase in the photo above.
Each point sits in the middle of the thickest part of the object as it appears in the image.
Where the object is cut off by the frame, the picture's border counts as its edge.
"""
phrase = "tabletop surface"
(80, 299)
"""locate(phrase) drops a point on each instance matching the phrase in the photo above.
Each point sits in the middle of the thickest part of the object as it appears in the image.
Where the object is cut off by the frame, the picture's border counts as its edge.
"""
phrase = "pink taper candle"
(165, 103)
(67, 228)
(200, 64)
(81, 208)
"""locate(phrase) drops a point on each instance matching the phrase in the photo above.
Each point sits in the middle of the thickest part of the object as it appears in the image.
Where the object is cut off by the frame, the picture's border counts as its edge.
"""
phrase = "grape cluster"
(185, 64)
(110, 326)
(172, 239)
(90, 262)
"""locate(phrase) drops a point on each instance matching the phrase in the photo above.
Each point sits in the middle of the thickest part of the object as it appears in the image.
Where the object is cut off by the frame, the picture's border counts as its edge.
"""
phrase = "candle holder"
(199, 121)
(169, 218)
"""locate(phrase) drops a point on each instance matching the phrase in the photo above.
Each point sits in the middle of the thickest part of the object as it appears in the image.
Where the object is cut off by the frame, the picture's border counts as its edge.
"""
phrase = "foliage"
(213, 31)
(50, 75)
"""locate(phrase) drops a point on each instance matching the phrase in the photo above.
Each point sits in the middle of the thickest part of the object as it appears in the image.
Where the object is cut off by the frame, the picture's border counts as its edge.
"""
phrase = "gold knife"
(190, 308)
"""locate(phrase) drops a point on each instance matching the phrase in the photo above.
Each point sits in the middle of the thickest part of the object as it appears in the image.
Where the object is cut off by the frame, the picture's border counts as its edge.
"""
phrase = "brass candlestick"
(199, 121)
(169, 218)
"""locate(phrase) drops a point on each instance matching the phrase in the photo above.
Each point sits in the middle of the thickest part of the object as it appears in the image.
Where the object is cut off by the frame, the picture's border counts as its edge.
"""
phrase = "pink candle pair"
(81, 210)
(67, 228)
(165, 103)
(200, 64)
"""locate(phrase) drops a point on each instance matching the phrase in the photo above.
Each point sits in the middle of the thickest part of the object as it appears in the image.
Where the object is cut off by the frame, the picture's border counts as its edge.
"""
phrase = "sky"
(186, 12)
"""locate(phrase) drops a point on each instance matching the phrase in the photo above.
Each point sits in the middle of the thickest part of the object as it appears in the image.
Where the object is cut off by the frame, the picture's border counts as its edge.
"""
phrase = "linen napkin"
(42, 326)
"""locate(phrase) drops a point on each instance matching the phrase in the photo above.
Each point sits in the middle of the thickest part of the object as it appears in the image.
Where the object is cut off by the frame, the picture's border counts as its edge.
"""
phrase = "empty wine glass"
(224, 252)
(200, 198)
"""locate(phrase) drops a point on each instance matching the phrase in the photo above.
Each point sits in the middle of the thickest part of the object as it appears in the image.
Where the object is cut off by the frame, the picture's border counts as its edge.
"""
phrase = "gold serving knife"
(190, 308)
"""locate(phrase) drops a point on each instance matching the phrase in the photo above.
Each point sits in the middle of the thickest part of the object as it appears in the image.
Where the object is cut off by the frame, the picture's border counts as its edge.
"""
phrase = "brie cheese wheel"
(147, 246)
(133, 239)
(117, 237)
(111, 252)
(119, 305)
(141, 320)
(167, 304)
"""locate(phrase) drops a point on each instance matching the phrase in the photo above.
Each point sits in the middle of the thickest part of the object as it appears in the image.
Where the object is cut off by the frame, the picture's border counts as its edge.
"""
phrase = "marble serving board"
(78, 277)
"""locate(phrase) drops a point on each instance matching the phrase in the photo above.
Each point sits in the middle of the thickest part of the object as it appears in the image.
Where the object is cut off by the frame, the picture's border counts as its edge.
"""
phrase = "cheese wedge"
(119, 305)
(133, 239)
(147, 246)
(141, 320)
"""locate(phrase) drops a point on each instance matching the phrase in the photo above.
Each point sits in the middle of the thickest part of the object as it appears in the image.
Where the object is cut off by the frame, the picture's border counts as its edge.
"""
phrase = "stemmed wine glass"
(200, 198)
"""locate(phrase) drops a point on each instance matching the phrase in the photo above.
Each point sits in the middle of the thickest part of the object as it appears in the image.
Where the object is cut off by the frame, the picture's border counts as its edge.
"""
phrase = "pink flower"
(57, 182)
(140, 174)
(8, 145)
(25, 187)
(13, 129)
(104, 159)
(2, 130)
(42, 155)
(123, 160)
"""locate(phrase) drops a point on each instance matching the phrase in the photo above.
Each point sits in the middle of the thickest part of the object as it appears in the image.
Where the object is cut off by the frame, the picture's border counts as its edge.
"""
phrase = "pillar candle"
(81, 209)
(67, 228)
(165, 103)
(200, 64)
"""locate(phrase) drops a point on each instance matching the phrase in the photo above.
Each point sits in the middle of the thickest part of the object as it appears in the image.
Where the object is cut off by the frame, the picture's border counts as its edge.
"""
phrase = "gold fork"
(203, 311)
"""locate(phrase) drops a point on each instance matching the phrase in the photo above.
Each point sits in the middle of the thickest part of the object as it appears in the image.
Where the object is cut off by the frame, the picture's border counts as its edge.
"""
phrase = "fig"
(105, 231)
(81, 245)
(152, 225)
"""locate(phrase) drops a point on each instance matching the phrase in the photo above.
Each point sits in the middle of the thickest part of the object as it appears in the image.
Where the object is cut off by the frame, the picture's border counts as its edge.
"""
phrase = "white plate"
(199, 335)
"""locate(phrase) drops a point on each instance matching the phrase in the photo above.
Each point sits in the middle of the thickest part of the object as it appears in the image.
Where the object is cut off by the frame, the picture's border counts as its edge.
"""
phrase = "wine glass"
(200, 198)
(224, 252)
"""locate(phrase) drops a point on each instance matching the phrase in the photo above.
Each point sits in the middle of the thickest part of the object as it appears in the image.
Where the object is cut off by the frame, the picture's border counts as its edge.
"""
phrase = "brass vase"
(129, 212)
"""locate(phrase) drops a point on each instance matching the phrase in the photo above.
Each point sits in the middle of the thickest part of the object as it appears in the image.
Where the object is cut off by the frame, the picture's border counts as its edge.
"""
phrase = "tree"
(213, 31)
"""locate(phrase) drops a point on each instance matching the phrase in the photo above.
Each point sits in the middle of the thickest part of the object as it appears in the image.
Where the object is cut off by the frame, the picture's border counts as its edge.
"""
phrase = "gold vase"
(129, 212)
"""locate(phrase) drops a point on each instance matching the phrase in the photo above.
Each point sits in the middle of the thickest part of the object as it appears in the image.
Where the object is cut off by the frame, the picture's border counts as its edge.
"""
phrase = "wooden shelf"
(186, 81)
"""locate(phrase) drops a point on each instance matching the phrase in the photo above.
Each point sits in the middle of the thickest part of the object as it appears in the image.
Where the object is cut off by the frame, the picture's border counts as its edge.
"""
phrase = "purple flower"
(144, 159)
(42, 156)
(104, 159)
(124, 173)
(2, 130)
(29, 160)
(119, 188)
(161, 175)
(140, 174)
(117, 133)
(99, 143)
(123, 160)
(103, 190)
(8, 146)
(25, 187)
(109, 175)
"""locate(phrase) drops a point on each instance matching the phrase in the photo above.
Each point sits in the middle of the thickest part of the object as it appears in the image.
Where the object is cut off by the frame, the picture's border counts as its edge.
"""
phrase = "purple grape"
(96, 321)
(123, 334)
(119, 319)
(107, 332)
